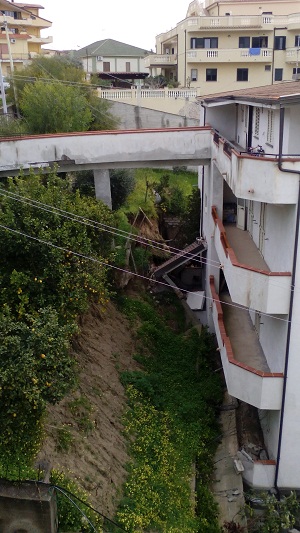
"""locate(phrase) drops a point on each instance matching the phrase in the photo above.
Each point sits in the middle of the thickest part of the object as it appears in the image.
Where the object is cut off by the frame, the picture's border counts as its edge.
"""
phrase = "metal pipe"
(290, 315)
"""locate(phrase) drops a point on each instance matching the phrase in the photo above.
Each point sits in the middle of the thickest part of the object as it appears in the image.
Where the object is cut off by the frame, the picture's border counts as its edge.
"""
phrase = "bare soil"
(91, 417)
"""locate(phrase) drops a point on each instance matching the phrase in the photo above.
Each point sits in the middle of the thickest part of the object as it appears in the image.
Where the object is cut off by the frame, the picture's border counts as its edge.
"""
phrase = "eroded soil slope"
(84, 432)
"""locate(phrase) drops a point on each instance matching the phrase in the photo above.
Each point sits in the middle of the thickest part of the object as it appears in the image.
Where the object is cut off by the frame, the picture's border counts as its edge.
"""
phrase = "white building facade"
(250, 221)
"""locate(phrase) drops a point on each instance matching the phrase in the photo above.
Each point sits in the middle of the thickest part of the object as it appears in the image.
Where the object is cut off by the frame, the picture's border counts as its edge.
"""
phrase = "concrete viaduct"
(104, 150)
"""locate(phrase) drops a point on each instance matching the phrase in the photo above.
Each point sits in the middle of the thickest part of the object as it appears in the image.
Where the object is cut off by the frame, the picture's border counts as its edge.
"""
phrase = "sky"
(76, 24)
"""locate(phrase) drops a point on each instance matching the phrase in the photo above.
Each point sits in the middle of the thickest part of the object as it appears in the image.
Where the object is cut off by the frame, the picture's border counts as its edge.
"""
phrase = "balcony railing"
(232, 55)
(258, 474)
(121, 94)
(238, 22)
(249, 384)
(262, 179)
(156, 60)
(265, 291)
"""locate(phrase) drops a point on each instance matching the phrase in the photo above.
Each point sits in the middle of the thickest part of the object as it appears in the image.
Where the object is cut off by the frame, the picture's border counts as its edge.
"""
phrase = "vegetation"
(54, 97)
(42, 290)
(54, 108)
(170, 425)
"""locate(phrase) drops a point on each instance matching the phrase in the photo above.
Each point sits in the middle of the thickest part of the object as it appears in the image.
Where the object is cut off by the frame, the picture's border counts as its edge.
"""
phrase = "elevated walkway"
(106, 149)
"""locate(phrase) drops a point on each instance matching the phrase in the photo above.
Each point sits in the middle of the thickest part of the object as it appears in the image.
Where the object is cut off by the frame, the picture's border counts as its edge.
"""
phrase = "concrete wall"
(27, 508)
(135, 117)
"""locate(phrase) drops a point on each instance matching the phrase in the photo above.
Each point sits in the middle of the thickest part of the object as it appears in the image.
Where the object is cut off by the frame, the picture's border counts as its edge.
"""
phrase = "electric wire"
(104, 227)
(124, 234)
(105, 264)
(75, 505)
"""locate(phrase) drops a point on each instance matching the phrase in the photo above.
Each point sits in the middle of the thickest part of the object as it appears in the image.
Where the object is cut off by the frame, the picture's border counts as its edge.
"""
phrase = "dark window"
(296, 70)
(211, 74)
(194, 74)
(244, 42)
(204, 42)
(242, 74)
(278, 75)
(267, 13)
(297, 40)
(279, 42)
(260, 42)
(268, 67)
(106, 66)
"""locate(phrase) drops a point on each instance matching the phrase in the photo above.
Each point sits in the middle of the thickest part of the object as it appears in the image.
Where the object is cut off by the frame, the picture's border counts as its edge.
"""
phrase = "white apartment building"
(250, 221)
(220, 45)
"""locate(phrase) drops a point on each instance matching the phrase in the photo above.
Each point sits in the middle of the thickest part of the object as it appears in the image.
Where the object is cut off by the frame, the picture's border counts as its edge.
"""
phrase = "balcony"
(40, 40)
(27, 22)
(258, 474)
(163, 60)
(262, 180)
(292, 55)
(265, 22)
(257, 287)
(229, 55)
(246, 371)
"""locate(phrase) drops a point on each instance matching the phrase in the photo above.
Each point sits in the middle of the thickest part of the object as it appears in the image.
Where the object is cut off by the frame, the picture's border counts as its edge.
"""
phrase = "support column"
(102, 186)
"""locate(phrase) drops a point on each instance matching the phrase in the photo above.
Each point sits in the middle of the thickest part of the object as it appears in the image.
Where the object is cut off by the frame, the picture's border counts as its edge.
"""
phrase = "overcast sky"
(76, 24)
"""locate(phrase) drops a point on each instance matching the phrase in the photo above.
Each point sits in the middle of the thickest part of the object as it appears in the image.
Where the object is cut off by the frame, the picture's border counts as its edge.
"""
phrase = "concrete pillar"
(102, 186)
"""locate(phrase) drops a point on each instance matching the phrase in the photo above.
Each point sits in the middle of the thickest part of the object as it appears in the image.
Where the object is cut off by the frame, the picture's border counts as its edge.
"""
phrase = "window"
(128, 66)
(106, 66)
(296, 70)
(256, 121)
(211, 74)
(204, 42)
(244, 42)
(279, 42)
(194, 74)
(270, 126)
(297, 40)
(268, 68)
(242, 74)
(260, 42)
(278, 76)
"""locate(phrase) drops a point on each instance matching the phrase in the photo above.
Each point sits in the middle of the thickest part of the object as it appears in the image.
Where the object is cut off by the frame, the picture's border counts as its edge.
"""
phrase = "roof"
(179, 259)
(279, 92)
(109, 47)
(123, 75)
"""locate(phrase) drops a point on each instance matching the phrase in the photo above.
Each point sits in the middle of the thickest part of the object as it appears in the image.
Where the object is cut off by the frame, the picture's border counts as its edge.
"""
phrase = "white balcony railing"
(255, 387)
(262, 180)
(237, 55)
(155, 60)
(265, 291)
(258, 474)
(134, 94)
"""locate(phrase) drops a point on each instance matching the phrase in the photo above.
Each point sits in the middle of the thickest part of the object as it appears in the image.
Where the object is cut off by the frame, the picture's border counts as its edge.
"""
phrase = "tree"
(54, 107)
(50, 70)
(122, 183)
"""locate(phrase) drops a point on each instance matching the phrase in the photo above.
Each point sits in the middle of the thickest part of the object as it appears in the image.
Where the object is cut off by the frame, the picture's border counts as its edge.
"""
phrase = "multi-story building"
(229, 43)
(20, 34)
(250, 221)
(114, 61)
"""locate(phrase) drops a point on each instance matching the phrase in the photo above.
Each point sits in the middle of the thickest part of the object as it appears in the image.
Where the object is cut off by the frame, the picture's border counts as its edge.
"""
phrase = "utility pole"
(11, 66)
(3, 95)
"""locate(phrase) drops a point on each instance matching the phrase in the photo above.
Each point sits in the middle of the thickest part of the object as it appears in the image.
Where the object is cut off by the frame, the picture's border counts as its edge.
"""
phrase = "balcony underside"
(243, 337)
(246, 371)
(244, 248)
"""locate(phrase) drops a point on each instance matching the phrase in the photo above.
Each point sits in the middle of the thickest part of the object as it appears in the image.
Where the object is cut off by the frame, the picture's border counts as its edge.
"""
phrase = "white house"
(250, 220)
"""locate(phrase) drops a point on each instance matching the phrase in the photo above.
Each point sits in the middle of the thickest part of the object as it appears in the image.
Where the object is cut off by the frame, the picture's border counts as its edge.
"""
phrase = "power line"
(150, 280)
(122, 233)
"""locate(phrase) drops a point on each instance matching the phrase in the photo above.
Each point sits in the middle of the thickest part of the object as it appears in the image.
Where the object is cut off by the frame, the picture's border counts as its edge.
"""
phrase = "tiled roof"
(109, 47)
(179, 259)
(269, 93)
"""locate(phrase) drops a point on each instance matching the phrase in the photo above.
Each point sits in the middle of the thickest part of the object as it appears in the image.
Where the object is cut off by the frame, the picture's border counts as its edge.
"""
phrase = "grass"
(171, 425)
(143, 197)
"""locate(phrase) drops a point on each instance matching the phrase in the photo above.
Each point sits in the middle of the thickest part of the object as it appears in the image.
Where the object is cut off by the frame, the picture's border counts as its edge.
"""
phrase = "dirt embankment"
(84, 432)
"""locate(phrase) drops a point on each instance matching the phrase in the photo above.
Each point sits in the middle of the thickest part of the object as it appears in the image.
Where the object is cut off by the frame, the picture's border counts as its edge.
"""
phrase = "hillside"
(84, 431)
